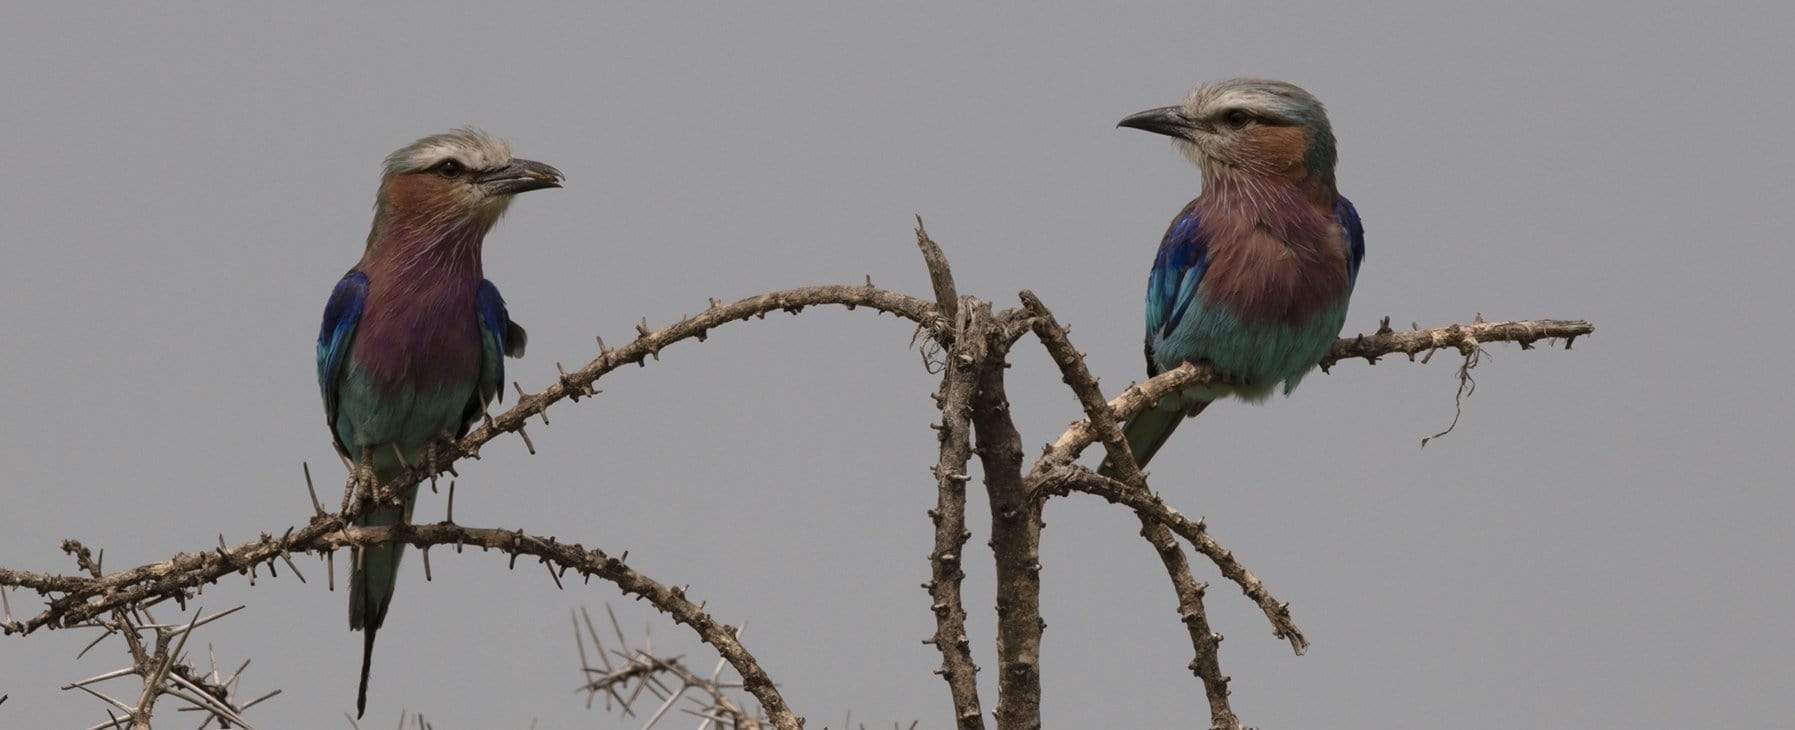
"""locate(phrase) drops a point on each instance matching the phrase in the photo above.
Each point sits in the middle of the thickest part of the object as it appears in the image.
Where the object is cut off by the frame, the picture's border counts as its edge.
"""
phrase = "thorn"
(541, 410)
(316, 505)
(642, 331)
(574, 390)
(450, 518)
(527, 442)
(426, 552)
(288, 558)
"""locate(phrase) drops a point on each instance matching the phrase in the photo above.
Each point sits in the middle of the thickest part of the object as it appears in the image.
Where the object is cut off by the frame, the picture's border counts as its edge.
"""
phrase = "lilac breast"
(419, 333)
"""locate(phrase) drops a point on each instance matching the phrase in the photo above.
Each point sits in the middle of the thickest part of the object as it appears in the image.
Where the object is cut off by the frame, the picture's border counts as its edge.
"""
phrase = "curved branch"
(1384, 341)
(1140, 496)
(1204, 641)
(647, 344)
(172, 578)
(84, 598)
(1150, 506)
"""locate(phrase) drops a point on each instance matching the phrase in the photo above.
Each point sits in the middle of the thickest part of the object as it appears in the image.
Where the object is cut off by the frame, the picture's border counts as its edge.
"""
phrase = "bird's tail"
(1148, 431)
(371, 584)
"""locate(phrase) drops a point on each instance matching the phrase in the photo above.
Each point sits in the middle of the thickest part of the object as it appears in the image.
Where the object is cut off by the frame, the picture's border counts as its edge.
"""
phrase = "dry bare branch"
(172, 579)
(1384, 342)
(162, 670)
(1150, 506)
(642, 669)
(975, 419)
(1015, 546)
(1205, 642)
(959, 381)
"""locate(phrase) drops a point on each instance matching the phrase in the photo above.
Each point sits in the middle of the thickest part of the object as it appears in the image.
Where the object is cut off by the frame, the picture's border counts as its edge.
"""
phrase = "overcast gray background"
(1604, 542)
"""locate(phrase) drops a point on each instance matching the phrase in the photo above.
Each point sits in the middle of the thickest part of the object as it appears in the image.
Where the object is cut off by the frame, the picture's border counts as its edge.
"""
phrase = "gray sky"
(1604, 541)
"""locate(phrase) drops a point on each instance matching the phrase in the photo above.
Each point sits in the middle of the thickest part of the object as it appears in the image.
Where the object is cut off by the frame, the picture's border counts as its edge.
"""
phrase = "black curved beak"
(1167, 120)
(519, 177)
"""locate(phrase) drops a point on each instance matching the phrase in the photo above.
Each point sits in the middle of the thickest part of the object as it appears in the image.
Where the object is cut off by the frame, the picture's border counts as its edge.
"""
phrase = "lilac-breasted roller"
(1253, 276)
(414, 337)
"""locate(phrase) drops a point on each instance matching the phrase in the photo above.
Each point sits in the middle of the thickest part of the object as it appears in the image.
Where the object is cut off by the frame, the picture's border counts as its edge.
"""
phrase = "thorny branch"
(162, 670)
(1016, 549)
(641, 670)
(972, 398)
(330, 532)
(964, 362)
(1384, 342)
(1204, 641)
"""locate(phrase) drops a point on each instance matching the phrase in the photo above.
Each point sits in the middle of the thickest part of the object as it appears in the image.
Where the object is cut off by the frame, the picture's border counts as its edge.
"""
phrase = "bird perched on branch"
(414, 337)
(1253, 276)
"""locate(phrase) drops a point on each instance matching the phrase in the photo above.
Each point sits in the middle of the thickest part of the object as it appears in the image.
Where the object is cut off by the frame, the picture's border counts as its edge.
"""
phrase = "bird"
(1253, 276)
(412, 344)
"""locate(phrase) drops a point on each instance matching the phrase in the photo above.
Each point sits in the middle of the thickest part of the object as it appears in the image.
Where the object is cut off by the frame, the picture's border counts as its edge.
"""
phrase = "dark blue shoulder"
(344, 306)
(497, 320)
(1355, 232)
(1177, 270)
(335, 333)
(506, 334)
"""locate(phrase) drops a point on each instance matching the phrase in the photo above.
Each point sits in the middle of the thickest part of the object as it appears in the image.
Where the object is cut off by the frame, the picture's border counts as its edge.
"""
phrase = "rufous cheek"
(1283, 147)
(421, 192)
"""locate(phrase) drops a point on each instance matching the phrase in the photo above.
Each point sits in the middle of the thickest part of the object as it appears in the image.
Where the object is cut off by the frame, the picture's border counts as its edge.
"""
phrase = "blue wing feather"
(335, 333)
(495, 323)
(1177, 271)
(499, 338)
(1355, 234)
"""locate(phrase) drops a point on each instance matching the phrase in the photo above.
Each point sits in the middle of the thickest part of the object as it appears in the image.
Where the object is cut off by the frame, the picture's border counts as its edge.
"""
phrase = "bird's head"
(1248, 126)
(458, 180)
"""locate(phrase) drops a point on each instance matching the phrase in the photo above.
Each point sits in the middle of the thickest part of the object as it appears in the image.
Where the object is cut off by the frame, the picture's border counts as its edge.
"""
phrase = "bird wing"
(1177, 270)
(499, 338)
(341, 314)
(1348, 217)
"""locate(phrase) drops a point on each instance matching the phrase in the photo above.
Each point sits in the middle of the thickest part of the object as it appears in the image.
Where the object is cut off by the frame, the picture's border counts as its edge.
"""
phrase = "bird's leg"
(434, 463)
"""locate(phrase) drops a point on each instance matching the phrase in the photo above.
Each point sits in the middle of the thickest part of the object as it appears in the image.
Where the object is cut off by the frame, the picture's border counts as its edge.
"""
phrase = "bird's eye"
(1237, 118)
(450, 168)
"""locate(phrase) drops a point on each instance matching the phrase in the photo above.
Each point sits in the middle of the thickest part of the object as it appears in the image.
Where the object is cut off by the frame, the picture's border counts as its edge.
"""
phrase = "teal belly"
(378, 418)
(1256, 357)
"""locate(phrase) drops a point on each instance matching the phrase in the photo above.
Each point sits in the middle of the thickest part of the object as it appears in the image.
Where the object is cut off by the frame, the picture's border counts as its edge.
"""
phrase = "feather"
(341, 314)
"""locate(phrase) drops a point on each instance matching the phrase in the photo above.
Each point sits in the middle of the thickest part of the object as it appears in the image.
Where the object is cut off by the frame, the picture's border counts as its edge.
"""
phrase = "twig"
(1462, 337)
(941, 276)
(642, 668)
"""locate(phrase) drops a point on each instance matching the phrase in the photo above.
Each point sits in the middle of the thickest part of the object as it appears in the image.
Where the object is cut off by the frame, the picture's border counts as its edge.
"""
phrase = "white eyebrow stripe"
(470, 146)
